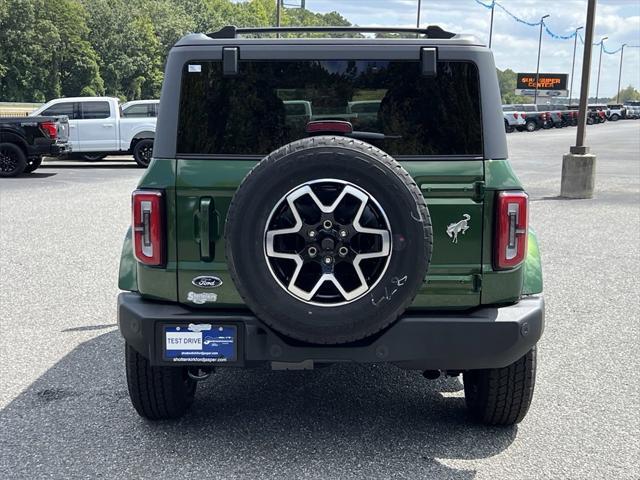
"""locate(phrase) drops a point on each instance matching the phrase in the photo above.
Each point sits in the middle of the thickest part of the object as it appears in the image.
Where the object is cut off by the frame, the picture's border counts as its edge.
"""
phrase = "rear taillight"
(148, 226)
(50, 129)
(515, 115)
(511, 229)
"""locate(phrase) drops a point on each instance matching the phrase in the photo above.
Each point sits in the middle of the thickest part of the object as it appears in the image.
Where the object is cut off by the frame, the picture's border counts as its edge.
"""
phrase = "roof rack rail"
(231, 31)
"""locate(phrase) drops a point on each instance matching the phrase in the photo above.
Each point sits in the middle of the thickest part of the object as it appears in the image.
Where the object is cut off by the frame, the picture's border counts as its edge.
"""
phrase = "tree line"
(54, 48)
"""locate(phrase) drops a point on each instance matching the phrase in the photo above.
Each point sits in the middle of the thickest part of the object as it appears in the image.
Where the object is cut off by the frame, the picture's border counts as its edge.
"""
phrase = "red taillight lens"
(515, 115)
(148, 226)
(50, 129)
(511, 229)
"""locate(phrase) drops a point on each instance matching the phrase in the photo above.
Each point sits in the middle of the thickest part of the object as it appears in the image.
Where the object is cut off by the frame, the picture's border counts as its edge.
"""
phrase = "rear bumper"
(49, 149)
(484, 338)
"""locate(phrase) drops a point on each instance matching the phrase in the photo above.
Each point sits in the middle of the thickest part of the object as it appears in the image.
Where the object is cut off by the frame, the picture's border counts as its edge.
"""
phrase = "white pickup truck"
(97, 128)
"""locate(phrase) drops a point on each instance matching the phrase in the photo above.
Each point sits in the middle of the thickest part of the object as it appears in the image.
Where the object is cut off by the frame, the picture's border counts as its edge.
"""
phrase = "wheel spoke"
(337, 242)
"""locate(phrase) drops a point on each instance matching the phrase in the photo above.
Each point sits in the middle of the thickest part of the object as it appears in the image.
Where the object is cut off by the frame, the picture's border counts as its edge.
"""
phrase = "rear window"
(95, 110)
(135, 111)
(268, 104)
(60, 109)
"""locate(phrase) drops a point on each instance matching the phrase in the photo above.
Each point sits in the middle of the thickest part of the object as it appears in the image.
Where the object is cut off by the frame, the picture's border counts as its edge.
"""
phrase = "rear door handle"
(107, 124)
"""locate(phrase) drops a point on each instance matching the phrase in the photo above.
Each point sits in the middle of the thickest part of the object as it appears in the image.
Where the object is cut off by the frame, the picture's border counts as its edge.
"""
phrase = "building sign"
(549, 84)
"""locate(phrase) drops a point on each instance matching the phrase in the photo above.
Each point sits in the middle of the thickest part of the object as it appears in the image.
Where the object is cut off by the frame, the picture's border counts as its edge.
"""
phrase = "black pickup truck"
(25, 140)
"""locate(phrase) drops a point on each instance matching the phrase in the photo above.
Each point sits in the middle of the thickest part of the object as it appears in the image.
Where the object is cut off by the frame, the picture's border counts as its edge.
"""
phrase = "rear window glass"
(268, 104)
(60, 109)
(95, 110)
(140, 110)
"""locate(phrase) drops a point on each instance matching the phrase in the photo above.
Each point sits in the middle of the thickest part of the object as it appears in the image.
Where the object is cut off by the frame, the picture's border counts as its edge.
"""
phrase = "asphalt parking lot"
(64, 407)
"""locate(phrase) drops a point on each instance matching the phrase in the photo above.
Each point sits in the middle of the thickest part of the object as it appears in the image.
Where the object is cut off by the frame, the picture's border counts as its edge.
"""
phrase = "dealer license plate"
(200, 342)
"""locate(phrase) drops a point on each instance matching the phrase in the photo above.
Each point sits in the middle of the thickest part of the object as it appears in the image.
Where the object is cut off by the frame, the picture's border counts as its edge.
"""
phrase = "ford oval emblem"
(207, 281)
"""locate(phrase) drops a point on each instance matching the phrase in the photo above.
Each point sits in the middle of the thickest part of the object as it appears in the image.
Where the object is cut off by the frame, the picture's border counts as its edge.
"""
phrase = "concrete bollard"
(578, 175)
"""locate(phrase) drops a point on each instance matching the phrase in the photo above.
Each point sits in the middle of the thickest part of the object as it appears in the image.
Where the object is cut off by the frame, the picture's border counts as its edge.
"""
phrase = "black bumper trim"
(483, 338)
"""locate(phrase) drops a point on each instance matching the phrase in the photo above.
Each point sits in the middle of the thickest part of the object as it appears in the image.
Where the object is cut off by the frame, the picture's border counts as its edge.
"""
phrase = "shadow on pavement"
(36, 175)
(344, 421)
(100, 164)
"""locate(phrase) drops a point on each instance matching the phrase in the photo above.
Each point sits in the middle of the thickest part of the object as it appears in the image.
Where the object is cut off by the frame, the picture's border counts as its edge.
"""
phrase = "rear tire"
(91, 157)
(531, 126)
(33, 165)
(507, 128)
(142, 152)
(158, 393)
(501, 396)
(13, 161)
(615, 117)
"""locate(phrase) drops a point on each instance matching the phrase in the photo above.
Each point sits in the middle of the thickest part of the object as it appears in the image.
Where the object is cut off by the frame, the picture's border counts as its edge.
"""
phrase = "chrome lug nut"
(327, 224)
(343, 251)
(343, 233)
(328, 260)
(312, 251)
(312, 234)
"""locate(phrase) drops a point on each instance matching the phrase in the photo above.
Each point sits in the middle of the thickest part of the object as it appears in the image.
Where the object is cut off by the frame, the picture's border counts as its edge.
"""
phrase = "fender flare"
(128, 272)
(9, 136)
(532, 283)
(142, 133)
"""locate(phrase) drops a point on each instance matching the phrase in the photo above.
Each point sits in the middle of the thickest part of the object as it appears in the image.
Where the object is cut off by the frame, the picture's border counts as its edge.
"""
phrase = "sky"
(515, 45)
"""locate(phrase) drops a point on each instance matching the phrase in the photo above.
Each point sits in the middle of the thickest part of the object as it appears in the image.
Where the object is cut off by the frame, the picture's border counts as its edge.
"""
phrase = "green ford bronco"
(322, 200)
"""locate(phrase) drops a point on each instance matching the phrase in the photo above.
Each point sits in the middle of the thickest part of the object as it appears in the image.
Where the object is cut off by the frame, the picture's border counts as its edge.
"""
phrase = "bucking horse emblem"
(459, 227)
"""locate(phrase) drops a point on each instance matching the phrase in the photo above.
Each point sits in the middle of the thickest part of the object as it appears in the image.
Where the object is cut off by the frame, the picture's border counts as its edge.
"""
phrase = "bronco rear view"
(323, 200)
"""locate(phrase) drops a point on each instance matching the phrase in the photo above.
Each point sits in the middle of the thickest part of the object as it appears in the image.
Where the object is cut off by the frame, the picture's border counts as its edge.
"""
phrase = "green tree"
(628, 94)
(44, 52)
(128, 47)
(507, 82)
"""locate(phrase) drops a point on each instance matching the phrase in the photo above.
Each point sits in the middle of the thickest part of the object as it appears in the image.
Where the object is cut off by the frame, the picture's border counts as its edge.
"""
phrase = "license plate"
(200, 342)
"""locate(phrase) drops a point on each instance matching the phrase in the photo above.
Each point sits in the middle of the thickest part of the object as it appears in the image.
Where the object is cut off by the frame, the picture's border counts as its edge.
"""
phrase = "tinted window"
(294, 108)
(364, 107)
(60, 109)
(412, 114)
(93, 110)
(140, 110)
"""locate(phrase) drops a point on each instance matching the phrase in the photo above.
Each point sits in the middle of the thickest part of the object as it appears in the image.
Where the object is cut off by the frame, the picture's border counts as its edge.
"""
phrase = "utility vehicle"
(400, 236)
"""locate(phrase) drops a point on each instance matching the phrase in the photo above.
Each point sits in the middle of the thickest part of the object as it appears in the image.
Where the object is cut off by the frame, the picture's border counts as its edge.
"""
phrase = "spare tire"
(328, 240)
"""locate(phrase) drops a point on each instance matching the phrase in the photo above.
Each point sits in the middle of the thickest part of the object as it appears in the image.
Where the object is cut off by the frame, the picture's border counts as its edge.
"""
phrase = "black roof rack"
(231, 31)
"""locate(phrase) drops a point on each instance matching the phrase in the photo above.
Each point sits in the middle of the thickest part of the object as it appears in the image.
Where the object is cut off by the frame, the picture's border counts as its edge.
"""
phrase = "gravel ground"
(64, 408)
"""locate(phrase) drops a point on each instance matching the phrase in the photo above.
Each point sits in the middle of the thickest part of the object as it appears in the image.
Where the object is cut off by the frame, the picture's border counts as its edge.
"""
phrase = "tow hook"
(199, 373)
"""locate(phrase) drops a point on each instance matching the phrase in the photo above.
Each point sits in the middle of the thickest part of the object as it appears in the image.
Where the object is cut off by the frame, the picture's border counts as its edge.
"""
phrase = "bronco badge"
(202, 298)
(207, 281)
(458, 227)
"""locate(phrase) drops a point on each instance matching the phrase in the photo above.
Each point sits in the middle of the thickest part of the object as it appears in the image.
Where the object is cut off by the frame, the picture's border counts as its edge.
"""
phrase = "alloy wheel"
(327, 242)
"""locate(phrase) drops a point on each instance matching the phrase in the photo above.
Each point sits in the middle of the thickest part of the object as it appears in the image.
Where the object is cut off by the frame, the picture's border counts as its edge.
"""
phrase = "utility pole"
(493, 7)
(579, 166)
(573, 63)
(535, 95)
(599, 65)
(278, 4)
(418, 18)
(620, 73)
